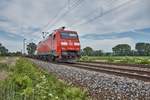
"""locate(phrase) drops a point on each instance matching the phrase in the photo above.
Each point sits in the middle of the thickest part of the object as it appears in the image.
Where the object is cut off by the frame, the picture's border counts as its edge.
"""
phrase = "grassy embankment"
(26, 82)
(118, 59)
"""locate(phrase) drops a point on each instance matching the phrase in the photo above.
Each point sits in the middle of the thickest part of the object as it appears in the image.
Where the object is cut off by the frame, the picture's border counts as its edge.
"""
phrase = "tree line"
(31, 48)
(5, 52)
(141, 49)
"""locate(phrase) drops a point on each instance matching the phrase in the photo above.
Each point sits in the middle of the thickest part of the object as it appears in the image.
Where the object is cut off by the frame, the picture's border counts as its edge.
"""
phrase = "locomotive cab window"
(54, 36)
(69, 35)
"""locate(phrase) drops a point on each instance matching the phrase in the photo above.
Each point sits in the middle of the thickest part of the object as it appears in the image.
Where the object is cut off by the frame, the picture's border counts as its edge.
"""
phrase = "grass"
(118, 59)
(4, 68)
(3, 71)
(27, 82)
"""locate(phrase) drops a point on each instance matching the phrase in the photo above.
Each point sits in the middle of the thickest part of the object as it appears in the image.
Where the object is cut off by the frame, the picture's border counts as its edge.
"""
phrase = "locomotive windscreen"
(69, 35)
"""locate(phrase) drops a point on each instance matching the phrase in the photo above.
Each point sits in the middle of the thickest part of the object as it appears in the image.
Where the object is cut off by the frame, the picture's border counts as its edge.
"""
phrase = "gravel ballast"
(101, 86)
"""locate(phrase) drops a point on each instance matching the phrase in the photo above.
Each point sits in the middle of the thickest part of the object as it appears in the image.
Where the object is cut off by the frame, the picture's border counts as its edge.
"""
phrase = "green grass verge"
(118, 59)
(4, 66)
(27, 82)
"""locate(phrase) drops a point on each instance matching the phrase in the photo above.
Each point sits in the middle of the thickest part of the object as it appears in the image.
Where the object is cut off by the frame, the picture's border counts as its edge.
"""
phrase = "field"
(118, 59)
(25, 81)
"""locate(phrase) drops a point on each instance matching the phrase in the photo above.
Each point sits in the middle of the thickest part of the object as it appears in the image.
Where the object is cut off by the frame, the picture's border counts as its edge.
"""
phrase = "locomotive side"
(61, 45)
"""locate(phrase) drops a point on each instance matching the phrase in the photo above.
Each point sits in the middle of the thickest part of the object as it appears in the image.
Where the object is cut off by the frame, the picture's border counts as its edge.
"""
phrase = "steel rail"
(129, 73)
(120, 68)
(126, 73)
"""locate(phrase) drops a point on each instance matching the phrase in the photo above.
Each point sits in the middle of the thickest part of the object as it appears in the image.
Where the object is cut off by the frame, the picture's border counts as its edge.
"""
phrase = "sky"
(101, 24)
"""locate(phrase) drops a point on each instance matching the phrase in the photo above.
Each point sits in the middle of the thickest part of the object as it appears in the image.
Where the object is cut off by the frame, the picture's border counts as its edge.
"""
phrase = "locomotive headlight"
(76, 43)
(64, 43)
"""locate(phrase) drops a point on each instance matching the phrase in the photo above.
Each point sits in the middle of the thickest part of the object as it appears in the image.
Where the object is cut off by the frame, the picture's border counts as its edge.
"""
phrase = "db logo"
(70, 42)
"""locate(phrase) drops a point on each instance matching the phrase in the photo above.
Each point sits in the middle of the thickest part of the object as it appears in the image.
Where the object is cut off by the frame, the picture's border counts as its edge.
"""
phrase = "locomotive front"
(70, 45)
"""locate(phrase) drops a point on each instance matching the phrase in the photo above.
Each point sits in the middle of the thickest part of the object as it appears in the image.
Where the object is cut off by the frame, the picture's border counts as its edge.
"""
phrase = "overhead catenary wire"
(58, 15)
(87, 16)
(65, 13)
(65, 7)
(100, 15)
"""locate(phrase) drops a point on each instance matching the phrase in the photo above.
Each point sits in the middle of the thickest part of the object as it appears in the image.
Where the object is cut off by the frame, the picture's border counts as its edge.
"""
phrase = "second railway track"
(134, 73)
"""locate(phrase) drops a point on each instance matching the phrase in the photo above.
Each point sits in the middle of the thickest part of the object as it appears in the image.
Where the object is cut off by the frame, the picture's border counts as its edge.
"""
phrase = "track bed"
(101, 85)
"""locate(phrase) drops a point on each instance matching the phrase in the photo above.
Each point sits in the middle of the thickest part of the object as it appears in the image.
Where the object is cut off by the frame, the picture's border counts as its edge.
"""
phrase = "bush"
(144, 61)
(86, 58)
(30, 83)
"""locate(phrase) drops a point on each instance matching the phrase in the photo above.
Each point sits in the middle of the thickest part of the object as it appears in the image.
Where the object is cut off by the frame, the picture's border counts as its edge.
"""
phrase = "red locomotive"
(61, 45)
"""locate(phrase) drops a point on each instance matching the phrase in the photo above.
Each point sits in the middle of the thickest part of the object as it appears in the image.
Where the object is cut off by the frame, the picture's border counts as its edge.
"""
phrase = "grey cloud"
(3, 19)
(29, 16)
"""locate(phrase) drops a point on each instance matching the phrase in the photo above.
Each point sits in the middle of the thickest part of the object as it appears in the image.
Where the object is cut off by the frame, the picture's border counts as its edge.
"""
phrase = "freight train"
(61, 45)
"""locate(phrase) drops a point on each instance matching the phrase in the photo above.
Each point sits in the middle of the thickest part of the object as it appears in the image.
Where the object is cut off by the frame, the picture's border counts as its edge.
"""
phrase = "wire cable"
(74, 4)
(65, 13)
(101, 15)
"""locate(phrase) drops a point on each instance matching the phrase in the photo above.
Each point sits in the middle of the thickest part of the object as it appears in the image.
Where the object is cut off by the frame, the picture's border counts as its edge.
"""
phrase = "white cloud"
(11, 45)
(134, 15)
(25, 15)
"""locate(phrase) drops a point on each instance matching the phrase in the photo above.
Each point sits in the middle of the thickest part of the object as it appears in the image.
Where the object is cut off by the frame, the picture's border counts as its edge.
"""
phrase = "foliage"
(97, 53)
(88, 51)
(143, 49)
(3, 66)
(122, 49)
(27, 82)
(14, 53)
(118, 59)
(85, 58)
(3, 50)
(31, 48)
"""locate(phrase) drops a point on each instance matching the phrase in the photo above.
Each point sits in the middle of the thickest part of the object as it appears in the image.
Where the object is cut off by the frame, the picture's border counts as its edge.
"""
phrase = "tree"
(17, 53)
(3, 50)
(143, 49)
(88, 51)
(97, 53)
(122, 49)
(31, 48)
(133, 53)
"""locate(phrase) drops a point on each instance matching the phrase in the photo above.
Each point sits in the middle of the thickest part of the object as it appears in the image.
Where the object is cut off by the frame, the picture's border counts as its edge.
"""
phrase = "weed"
(27, 82)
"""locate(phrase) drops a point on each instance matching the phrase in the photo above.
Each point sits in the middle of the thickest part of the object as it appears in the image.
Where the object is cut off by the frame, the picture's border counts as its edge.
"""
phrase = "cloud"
(137, 35)
(134, 15)
(11, 45)
(107, 44)
(3, 19)
(26, 19)
(145, 30)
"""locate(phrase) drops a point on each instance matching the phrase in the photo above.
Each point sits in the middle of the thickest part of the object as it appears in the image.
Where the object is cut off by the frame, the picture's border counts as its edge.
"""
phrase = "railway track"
(130, 72)
(119, 64)
(139, 73)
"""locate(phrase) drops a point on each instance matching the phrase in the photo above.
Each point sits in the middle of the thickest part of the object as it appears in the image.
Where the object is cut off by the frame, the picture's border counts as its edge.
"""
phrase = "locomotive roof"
(65, 31)
(58, 30)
